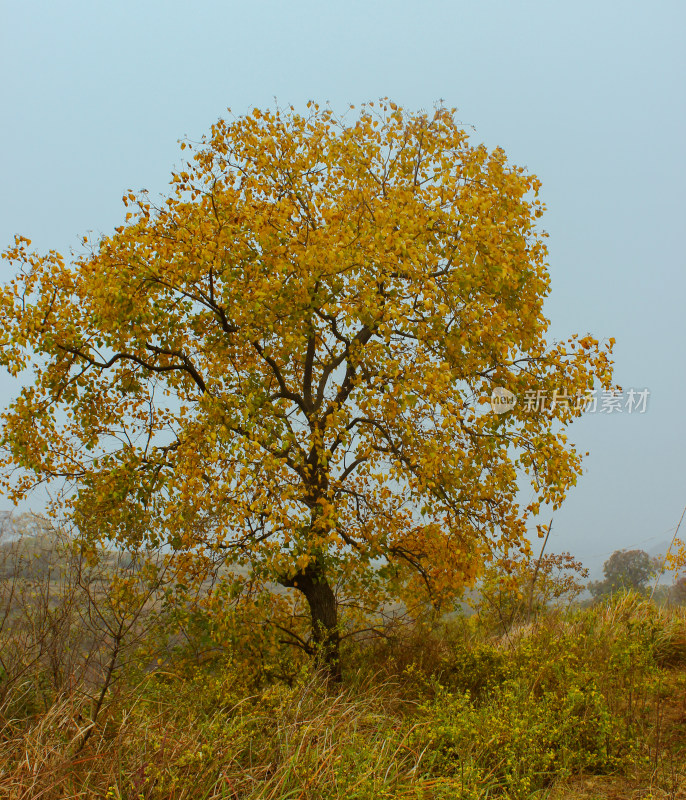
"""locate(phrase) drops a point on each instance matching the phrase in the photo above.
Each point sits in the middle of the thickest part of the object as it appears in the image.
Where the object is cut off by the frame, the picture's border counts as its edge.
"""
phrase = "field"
(103, 698)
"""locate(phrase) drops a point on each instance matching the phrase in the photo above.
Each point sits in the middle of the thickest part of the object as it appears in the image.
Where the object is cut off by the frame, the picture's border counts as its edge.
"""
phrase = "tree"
(678, 591)
(512, 591)
(286, 361)
(676, 555)
(626, 570)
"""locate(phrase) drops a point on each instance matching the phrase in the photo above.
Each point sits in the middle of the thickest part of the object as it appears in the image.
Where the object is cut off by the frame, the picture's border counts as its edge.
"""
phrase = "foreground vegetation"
(98, 700)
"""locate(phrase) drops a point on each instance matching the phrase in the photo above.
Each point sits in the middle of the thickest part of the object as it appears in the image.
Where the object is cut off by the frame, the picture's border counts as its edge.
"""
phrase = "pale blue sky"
(588, 95)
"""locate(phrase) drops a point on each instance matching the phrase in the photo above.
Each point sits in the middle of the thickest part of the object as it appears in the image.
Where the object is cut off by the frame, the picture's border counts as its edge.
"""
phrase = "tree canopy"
(626, 570)
(287, 359)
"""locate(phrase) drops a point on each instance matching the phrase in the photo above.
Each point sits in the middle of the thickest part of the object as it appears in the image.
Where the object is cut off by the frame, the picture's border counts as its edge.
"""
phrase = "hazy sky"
(587, 95)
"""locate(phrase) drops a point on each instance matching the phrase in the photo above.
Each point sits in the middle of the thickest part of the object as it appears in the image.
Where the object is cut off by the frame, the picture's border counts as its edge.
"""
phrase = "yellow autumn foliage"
(287, 361)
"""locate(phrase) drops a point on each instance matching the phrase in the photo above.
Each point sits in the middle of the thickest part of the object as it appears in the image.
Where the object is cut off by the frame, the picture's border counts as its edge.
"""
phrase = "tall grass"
(448, 710)
(575, 694)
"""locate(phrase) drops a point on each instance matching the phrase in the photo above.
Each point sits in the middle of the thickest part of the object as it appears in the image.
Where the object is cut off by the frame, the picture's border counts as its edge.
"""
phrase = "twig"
(538, 566)
(664, 560)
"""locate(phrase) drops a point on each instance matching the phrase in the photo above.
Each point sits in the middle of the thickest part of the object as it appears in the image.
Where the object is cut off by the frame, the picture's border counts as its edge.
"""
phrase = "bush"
(443, 710)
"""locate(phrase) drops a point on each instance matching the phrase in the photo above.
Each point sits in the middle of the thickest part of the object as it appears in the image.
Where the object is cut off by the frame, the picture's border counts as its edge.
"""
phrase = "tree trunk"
(324, 615)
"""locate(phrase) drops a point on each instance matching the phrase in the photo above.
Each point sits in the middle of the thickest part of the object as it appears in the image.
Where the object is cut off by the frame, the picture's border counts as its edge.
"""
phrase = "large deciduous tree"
(287, 359)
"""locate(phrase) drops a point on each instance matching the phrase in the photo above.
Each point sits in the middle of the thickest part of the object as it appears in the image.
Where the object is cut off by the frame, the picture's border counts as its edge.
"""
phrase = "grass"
(586, 704)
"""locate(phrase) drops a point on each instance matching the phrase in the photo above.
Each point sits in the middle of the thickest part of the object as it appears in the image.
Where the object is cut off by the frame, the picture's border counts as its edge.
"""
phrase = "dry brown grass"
(429, 714)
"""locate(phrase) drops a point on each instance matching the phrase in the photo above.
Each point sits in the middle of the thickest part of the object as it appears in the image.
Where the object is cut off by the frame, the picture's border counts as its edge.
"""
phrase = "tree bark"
(321, 600)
